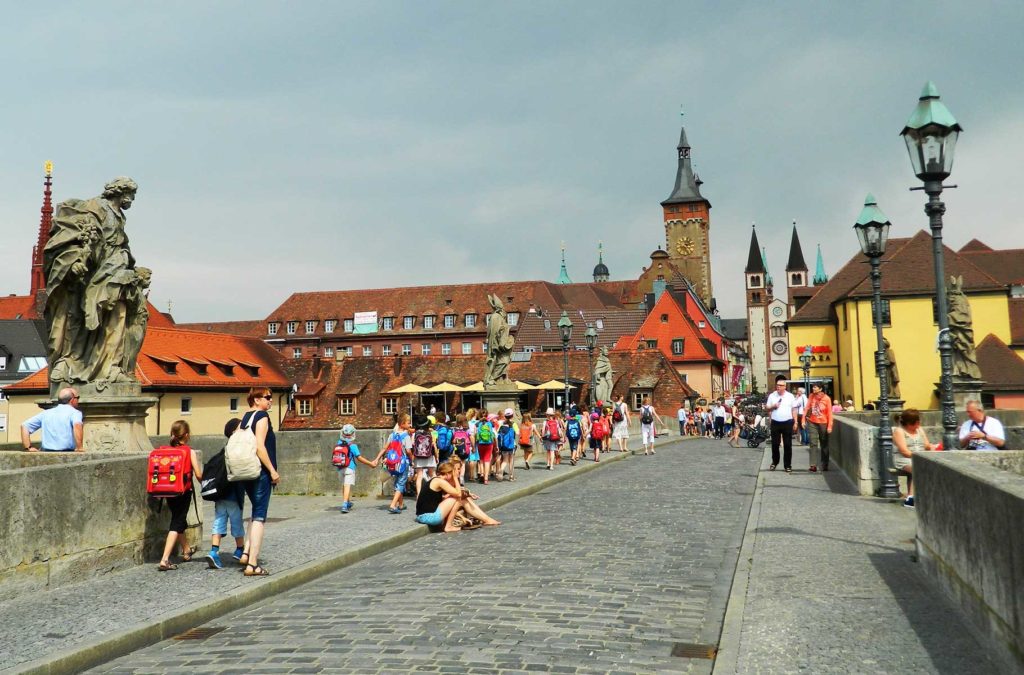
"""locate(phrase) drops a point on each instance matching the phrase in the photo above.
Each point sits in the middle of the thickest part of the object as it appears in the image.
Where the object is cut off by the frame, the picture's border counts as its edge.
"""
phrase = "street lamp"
(565, 328)
(931, 134)
(591, 336)
(805, 359)
(872, 229)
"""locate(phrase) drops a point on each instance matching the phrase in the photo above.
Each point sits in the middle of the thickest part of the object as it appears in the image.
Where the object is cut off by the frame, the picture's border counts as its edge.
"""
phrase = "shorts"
(526, 447)
(486, 451)
(433, 519)
(899, 461)
(511, 451)
(596, 443)
(424, 462)
(258, 491)
(400, 481)
(347, 476)
(474, 456)
(647, 432)
(573, 443)
(228, 510)
(551, 446)
(179, 511)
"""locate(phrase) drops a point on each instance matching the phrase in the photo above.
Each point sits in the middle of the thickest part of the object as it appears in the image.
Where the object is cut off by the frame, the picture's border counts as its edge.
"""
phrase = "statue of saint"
(603, 376)
(961, 332)
(499, 345)
(891, 371)
(96, 306)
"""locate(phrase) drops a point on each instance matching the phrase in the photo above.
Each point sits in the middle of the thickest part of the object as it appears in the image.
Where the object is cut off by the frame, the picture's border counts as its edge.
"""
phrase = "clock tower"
(686, 215)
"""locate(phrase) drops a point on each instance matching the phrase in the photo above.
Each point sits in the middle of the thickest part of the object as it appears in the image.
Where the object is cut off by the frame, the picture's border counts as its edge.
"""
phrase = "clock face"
(779, 347)
(777, 311)
(685, 246)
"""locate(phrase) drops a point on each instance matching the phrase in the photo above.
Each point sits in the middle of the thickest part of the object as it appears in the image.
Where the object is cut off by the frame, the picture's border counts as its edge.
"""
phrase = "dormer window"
(449, 320)
(513, 318)
(273, 327)
(330, 325)
(347, 325)
(428, 321)
(388, 323)
(408, 322)
(291, 327)
(470, 321)
(310, 327)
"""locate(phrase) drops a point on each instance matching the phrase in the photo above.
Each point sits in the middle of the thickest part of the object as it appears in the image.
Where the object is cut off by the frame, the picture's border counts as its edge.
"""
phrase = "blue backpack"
(572, 429)
(506, 438)
(444, 438)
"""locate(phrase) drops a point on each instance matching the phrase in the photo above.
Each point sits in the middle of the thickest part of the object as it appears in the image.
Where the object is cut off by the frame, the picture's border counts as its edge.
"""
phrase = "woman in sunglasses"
(258, 490)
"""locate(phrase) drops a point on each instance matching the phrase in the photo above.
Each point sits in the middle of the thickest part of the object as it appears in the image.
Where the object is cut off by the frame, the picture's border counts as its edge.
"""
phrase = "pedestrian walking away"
(508, 439)
(648, 419)
(620, 420)
(780, 405)
(345, 457)
(61, 426)
(228, 499)
(259, 489)
(179, 504)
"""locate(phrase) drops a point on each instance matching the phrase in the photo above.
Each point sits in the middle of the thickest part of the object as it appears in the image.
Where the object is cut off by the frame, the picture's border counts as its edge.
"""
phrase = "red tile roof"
(1001, 367)
(252, 328)
(668, 322)
(614, 323)
(199, 360)
(975, 245)
(18, 307)
(1006, 265)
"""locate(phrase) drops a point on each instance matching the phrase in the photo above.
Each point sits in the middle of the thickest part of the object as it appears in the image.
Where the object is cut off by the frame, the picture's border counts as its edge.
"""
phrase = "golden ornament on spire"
(48, 167)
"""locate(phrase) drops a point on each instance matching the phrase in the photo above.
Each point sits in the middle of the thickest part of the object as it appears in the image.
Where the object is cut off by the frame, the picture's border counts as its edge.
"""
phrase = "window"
(755, 281)
(429, 321)
(652, 344)
(346, 405)
(692, 208)
(406, 349)
(367, 350)
(702, 324)
(328, 352)
(547, 324)
(449, 321)
(755, 297)
(885, 313)
(310, 327)
(305, 406)
(290, 327)
(348, 351)
(664, 318)
(186, 405)
(798, 280)
(297, 353)
(638, 399)
(778, 330)
(446, 348)
(233, 404)
(385, 350)
(600, 324)
(935, 311)
(471, 321)
(425, 349)
(272, 328)
(408, 322)
(467, 347)
(389, 323)
(3, 362)
(347, 325)
(390, 405)
(513, 318)
(330, 325)
(529, 350)
(677, 346)
(483, 347)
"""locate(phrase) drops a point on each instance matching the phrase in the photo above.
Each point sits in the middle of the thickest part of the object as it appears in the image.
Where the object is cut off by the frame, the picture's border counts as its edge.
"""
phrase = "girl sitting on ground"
(441, 501)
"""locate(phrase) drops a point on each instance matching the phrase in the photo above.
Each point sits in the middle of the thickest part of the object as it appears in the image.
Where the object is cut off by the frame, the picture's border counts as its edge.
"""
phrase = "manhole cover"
(200, 633)
(691, 650)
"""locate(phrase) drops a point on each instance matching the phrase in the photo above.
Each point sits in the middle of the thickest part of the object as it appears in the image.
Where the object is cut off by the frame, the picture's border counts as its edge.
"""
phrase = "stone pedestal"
(114, 424)
(498, 399)
(963, 391)
(895, 405)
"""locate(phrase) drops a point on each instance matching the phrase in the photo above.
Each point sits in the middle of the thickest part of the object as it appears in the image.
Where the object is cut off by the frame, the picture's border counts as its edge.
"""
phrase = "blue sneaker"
(345, 507)
(213, 561)
(909, 502)
(237, 555)
(394, 511)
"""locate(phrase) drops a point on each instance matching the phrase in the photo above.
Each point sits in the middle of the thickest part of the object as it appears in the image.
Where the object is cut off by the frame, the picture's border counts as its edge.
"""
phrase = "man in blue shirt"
(61, 425)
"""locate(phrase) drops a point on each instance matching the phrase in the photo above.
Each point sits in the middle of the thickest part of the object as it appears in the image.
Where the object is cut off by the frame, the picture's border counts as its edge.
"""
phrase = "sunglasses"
(269, 397)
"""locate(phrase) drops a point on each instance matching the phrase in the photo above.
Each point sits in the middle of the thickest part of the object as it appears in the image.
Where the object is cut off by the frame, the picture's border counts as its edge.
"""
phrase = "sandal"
(243, 559)
(186, 555)
(166, 566)
(257, 571)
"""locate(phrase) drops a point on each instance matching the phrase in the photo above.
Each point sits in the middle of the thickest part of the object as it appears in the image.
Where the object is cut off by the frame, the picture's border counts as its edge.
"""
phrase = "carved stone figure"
(96, 306)
(891, 372)
(961, 332)
(603, 376)
(499, 345)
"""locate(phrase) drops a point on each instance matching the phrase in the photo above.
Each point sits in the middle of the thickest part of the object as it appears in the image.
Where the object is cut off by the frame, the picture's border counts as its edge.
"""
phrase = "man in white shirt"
(780, 404)
(798, 412)
(681, 416)
(981, 432)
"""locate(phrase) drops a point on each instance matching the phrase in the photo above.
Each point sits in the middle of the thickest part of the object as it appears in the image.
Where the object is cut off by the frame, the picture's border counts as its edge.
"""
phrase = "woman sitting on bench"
(907, 439)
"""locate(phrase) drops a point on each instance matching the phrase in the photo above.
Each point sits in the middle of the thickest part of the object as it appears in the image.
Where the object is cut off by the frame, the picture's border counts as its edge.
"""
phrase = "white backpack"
(240, 454)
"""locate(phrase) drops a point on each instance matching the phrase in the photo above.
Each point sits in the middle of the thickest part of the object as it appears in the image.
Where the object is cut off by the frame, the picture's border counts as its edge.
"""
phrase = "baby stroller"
(755, 433)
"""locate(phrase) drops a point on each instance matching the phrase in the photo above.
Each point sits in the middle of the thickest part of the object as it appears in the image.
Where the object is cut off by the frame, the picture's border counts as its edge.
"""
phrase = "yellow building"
(837, 321)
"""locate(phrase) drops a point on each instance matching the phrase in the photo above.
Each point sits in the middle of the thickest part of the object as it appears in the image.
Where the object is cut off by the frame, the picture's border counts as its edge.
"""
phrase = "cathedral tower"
(796, 271)
(759, 296)
(687, 220)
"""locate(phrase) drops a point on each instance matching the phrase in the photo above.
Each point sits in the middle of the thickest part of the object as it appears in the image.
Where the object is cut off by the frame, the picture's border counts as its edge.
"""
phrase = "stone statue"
(961, 332)
(96, 306)
(891, 372)
(603, 376)
(499, 345)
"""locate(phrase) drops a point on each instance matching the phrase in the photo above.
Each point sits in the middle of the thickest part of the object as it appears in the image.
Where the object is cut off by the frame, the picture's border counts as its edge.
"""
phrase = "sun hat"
(348, 432)
(509, 412)
(432, 420)
(549, 411)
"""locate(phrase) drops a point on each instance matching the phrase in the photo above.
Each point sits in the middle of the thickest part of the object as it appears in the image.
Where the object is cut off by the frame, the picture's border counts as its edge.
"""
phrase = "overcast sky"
(299, 146)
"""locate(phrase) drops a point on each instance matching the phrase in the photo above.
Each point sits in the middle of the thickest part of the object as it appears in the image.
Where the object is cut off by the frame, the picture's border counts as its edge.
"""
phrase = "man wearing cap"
(61, 425)
(780, 404)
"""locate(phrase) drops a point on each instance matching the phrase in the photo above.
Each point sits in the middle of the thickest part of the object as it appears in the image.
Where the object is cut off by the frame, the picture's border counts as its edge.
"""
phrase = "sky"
(287, 147)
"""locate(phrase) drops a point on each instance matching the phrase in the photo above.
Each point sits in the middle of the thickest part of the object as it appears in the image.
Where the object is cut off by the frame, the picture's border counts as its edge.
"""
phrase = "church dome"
(601, 270)
(659, 254)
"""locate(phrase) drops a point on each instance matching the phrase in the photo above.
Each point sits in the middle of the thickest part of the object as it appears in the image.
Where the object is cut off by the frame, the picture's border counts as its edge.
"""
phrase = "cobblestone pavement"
(604, 573)
(301, 530)
(833, 587)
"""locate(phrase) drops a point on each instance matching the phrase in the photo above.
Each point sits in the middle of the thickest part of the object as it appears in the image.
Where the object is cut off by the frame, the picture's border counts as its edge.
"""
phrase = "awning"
(408, 389)
(445, 387)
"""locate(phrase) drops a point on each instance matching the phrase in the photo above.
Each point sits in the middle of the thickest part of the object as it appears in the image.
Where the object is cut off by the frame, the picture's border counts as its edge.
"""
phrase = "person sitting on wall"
(907, 439)
(61, 425)
(981, 432)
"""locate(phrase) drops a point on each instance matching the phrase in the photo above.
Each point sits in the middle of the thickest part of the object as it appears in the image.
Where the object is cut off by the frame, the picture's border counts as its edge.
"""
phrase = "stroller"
(755, 433)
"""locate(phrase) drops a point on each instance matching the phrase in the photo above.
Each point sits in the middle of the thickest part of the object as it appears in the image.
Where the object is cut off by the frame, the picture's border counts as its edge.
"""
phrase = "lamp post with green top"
(931, 134)
(565, 330)
(872, 229)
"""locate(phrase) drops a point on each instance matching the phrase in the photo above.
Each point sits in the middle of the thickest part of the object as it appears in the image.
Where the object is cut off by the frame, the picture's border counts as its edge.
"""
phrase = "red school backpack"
(552, 431)
(169, 471)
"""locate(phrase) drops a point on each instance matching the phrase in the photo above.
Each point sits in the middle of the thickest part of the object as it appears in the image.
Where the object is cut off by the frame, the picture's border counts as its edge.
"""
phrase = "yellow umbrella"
(475, 387)
(446, 386)
(553, 385)
(524, 386)
(408, 389)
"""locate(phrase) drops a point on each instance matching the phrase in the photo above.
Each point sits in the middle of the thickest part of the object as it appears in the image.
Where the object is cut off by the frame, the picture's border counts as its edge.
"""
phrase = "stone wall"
(68, 516)
(969, 509)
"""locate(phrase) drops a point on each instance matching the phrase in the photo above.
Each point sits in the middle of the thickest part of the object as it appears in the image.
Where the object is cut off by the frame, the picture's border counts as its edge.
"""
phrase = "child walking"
(346, 453)
(225, 510)
(180, 436)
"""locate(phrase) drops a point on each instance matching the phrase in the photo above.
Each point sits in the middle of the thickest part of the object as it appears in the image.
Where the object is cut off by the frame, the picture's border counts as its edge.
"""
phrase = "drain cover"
(692, 650)
(200, 633)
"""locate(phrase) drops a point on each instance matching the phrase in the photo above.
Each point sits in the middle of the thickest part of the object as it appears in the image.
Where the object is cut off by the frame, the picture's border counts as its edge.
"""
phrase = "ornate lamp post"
(872, 229)
(805, 359)
(931, 134)
(565, 328)
(591, 336)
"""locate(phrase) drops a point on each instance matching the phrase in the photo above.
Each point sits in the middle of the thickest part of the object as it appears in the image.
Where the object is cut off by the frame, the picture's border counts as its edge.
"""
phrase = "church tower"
(37, 286)
(796, 270)
(601, 273)
(563, 274)
(687, 220)
(759, 296)
(820, 278)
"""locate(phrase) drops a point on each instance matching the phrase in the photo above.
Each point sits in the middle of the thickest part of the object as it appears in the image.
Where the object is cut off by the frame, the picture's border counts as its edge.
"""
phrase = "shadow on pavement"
(905, 554)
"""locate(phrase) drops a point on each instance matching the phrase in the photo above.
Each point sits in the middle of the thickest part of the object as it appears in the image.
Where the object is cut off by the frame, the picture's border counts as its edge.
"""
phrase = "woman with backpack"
(574, 434)
(508, 438)
(180, 436)
(259, 489)
(553, 436)
(485, 433)
(527, 432)
(620, 420)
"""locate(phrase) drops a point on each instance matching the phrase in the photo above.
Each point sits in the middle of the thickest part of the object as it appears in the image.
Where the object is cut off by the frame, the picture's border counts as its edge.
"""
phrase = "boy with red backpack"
(397, 459)
(598, 434)
(552, 435)
(344, 457)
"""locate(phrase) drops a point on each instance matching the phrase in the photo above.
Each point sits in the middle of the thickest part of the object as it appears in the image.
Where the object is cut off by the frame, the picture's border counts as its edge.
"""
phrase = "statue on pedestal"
(499, 346)
(891, 372)
(961, 332)
(603, 376)
(96, 306)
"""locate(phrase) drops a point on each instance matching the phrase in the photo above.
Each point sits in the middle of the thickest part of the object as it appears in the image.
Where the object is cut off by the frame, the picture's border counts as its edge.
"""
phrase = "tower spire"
(755, 264)
(820, 278)
(764, 263)
(38, 281)
(796, 254)
(687, 186)
(600, 269)
(563, 275)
